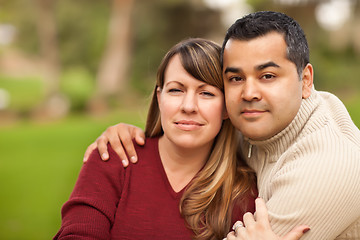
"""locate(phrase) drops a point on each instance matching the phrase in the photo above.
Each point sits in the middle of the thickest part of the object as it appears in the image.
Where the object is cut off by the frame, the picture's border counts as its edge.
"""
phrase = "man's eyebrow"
(266, 65)
(232, 70)
(258, 68)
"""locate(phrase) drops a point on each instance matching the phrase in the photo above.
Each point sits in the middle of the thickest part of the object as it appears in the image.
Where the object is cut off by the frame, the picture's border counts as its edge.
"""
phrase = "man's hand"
(258, 227)
(120, 138)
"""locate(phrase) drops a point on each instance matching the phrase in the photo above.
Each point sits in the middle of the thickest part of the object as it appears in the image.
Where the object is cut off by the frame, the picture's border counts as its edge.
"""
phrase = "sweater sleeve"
(90, 211)
(320, 190)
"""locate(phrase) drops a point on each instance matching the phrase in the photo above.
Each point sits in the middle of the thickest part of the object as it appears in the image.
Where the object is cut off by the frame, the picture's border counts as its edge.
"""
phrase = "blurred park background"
(69, 69)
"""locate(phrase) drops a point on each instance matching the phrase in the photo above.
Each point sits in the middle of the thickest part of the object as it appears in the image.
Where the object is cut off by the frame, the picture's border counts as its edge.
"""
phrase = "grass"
(38, 168)
(40, 163)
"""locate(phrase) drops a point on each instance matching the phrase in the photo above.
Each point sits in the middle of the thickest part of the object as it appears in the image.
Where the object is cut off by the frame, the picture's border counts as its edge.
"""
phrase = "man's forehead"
(270, 37)
(263, 50)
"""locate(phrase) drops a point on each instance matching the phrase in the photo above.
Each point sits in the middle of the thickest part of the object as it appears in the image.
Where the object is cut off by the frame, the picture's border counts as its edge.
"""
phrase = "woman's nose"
(189, 103)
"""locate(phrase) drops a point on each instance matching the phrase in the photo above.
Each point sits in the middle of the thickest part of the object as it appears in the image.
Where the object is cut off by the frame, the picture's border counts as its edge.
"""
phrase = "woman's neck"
(182, 164)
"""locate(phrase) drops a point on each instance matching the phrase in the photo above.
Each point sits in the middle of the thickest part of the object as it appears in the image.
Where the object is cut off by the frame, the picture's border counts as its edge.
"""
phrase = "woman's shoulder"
(95, 160)
(150, 148)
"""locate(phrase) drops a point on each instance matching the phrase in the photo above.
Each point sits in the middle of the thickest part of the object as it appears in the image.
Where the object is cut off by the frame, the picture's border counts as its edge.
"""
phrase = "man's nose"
(250, 90)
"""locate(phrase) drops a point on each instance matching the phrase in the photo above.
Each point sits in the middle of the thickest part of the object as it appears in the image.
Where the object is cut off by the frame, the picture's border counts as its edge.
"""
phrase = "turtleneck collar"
(279, 143)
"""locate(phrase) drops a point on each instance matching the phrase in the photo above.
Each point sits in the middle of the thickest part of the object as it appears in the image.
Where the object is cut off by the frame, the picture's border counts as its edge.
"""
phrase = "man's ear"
(307, 80)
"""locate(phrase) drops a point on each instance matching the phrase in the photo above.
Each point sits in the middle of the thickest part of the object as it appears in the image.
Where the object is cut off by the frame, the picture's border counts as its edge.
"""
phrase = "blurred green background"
(69, 69)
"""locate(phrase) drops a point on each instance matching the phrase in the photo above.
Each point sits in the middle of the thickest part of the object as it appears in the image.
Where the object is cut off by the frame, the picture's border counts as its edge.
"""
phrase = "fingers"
(261, 212)
(111, 136)
(126, 134)
(240, 234)
(139, 139)
(139, 136)
(254, 227)
(296, 233)
(231, 236)
(120, 138)
(237, 224)
(101, 144)
(88, 151)
(248, 219)
(239, 229)
(126, 145)
(258, 226)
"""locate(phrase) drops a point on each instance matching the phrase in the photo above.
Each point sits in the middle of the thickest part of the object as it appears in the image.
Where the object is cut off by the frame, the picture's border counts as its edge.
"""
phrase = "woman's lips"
(188, 125)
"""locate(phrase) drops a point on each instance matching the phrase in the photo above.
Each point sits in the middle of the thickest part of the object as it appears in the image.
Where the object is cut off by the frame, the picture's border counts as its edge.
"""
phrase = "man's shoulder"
(352, 232)
(330, 127)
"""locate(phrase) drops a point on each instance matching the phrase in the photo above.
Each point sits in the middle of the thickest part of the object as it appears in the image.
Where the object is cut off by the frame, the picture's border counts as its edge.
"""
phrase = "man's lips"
(252, 112)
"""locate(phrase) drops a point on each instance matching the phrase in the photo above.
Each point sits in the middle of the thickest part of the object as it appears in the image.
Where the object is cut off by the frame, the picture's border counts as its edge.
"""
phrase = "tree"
(55, 104)
(113, 69)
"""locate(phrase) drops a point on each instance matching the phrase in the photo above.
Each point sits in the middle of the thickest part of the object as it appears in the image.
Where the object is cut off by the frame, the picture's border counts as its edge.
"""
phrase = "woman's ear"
(307, 80)
(225, 114)
(158, 92)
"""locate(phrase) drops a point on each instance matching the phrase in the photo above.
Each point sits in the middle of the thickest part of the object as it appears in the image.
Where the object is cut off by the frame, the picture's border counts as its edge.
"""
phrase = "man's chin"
(254, 135)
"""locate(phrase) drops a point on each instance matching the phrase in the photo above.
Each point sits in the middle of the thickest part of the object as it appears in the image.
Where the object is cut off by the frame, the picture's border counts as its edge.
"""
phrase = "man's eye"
(235, 79)
(268, 76)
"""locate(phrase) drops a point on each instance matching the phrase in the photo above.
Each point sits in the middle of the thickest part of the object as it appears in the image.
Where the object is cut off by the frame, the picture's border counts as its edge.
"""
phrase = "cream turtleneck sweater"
(309, 173)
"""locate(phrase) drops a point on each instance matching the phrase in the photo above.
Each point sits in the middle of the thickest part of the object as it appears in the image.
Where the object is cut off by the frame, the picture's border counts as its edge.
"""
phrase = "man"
(302, 143)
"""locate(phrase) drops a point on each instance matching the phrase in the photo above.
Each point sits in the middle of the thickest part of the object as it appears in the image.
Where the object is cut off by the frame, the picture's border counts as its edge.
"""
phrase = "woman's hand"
(258, 227)
(120, 138)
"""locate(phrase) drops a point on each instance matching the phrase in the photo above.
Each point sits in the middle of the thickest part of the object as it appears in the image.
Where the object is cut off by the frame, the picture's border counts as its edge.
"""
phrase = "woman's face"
(191, 110)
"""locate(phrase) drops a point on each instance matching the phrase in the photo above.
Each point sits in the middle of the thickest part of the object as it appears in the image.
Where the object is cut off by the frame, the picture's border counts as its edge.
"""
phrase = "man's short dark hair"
(260, 23)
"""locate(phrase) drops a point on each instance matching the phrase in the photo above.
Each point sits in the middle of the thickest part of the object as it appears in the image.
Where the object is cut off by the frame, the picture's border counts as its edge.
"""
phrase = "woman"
(191, 184)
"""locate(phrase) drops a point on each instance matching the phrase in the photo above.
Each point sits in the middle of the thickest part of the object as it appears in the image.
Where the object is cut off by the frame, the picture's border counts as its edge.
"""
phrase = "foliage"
(78, 84)
(82, 30)
(336, 71)
(25, 93)
(21, 13)
(171, 22)
(82, 27)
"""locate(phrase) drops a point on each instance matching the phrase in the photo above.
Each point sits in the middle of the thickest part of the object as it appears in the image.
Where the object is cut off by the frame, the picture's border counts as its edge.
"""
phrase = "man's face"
(263, 92)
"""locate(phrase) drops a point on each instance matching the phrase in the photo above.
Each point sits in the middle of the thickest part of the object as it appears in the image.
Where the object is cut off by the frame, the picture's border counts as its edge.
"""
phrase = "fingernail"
(133, 159)
(306, 230)
(84, 160)
(105, 156)
(124, 162)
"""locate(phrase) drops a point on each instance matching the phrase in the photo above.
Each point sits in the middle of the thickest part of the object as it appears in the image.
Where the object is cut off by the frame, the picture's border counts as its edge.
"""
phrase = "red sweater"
(110, 202)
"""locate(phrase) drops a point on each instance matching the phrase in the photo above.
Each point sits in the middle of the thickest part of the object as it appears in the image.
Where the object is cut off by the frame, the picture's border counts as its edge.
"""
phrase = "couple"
(301, 143)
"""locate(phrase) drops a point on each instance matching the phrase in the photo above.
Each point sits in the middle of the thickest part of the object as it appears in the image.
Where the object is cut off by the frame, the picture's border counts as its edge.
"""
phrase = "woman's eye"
(208, 94)
(174, 90)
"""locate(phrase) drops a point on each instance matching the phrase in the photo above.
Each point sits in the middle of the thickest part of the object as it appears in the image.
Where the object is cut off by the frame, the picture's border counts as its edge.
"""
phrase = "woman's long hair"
(207, 202)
